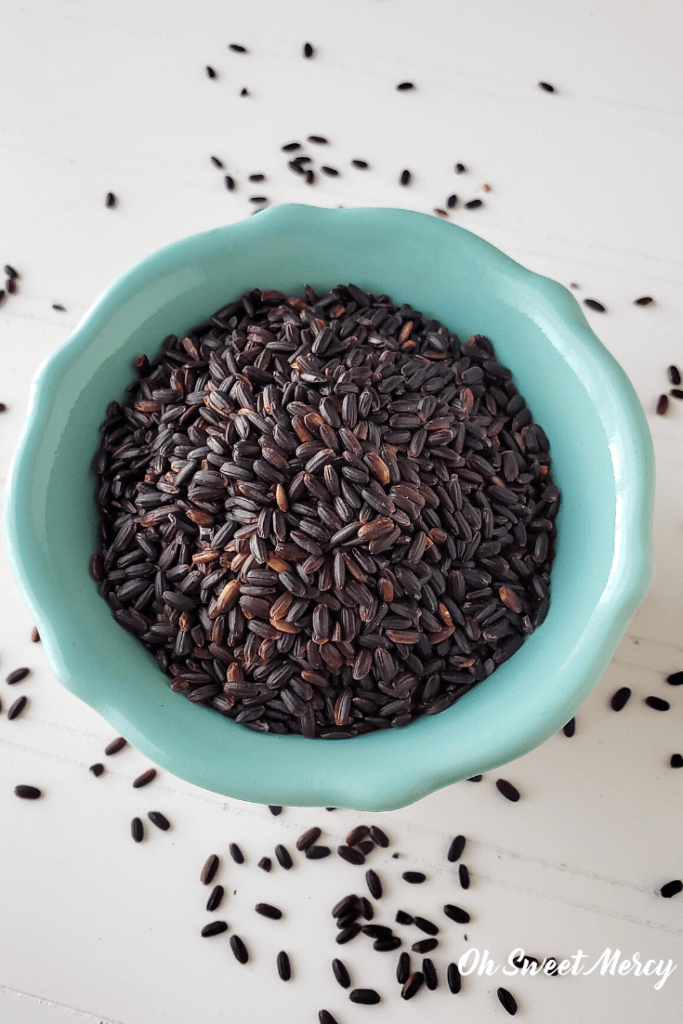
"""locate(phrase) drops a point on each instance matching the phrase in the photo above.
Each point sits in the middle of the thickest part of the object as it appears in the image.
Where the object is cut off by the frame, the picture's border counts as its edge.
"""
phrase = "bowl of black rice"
(332, 507)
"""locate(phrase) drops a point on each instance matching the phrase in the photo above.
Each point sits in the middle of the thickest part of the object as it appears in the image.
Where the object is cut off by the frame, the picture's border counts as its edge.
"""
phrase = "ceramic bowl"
(601, 460)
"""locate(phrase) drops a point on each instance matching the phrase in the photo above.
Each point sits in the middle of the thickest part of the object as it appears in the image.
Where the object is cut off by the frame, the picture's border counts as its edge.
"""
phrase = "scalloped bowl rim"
(380, 770)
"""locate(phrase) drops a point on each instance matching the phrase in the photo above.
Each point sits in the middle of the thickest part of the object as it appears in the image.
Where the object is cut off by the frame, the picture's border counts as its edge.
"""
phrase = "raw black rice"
(214, 928)
(367, 996)
(430, 975)
(676, 761)
(644, 301)
(374, 884)
(145, 778)
(378, 836)
(414, 877)
(671, 888)
(96, 769)
(594, 304)
(317, 852)
(657, 703)
(412, 985)
(464, 876)
(546, 86)
(424, 945)
(16, 709)
(509, 791)
(209, 870)
(325, 1017)
(35, 635)
(474, 204)
(570, 728)
(308, 50)
(236, 48)
(406, 178)
(284, 967)
(236, 853)
(210, 72)
(265, 863)
(403, 968)
(266, 910)
(110, 201)
(426, 926)
(239, 949)
(117, 744)
(662, 405)
(675, 679)
(302, 494)
(217, 162)
(341, 973)
(453, 978)
(17, 675)
(27, 792)
(159, 819)
(674, 374)
(456, 848)
(456, 914)
(620, 698)
(215, 898)
(676, 393)
(137, 830)
(284, 857)
(274, 810)
(403, 918)
(507, 1001)
(308, 838)
(405, 86)
(362, 165)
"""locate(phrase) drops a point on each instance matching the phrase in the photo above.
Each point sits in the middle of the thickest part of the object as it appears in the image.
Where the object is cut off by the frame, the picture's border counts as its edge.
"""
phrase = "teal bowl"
(601, 456)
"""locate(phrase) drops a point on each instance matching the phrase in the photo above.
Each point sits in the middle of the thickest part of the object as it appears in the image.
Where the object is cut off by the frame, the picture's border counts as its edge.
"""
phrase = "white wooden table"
(584, 187)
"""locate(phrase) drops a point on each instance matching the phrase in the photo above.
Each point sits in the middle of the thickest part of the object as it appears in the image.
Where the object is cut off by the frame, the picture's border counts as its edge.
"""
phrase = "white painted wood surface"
(585, 187)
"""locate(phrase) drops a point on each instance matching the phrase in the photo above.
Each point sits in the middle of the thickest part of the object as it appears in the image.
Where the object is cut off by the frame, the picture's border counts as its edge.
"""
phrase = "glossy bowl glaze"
(601, 459)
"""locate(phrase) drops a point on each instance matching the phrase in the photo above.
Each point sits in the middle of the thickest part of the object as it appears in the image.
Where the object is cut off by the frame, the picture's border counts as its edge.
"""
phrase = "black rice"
(620, 698)
(675, 679)
(284, 857)
(412, 985)
(274, 810)
(325, 1017)
(230, 183)
(217, 162)
(474, 204)
(676, 393)
(236, 853)
(406, 177)
(674, 374)
(317, 852)
(308, 50)
(594, 304)
(507, 1001)
(314, 512)
(10, 271)
(284, 967)
(209, 870)
(35, 635)
(367, 996)
(16, 709)
(266, 910)
(17, 675)
(110, 200)
(570, 728)
(319, 139)
(159, 819)
(378, 836)
(453, 978)
(117, 744)
(362, 165)
(456, 848)
(671, 888)
(341, 973)
(239, 949)
(215, 898)
(237, 48)
(405, 86)
(464, 876)
(96, 769)
(346, 934)
(403, 918)
(424, 945)
(657, 703)
(349, 854)
(676, 761)
(210, 72)
(214, 928)
(414, 877)
(137, 830)
(456, 914)
(509, 791)
(145, 778)
(426, 926)
(430, 975)
(374, 884)
(452, 202)
(308, 838)
(265, 863)
(644, 301)
(27, 792)
(662, 405)
(546, 86)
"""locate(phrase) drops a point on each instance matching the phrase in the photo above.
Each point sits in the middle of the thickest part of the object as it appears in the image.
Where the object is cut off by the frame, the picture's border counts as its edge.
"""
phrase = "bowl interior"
(601, 460)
